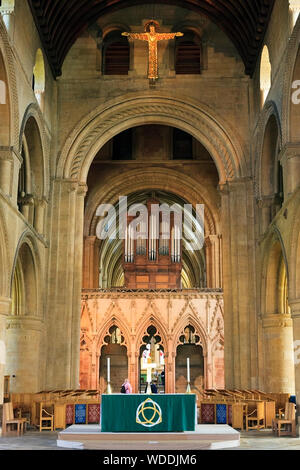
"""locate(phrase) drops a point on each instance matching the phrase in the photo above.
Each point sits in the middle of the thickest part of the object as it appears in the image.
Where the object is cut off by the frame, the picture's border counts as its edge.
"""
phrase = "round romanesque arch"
(34, 118)
(9, 71)
(120, 114)
(156, 179)
(269, 111)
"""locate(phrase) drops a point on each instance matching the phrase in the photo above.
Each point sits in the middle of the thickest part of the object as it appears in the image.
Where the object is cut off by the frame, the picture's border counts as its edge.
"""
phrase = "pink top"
(128, 387)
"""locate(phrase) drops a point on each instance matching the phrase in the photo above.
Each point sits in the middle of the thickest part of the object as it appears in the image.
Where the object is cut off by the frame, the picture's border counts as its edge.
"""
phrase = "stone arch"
(120, 114)
(151, 320)
(269, 111)
(290, 111)
(274, 261)
(35, 269)
(4, 262)
(113, 320)
(199, 328)
(11, 117)
(136, 180)
(33, 113)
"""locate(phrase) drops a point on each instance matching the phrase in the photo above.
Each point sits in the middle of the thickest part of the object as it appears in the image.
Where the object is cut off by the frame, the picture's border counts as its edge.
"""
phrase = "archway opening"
(115, 349)
(189, 347)
(279, 374)
(4, 106)
(152, 362)
(23, 335)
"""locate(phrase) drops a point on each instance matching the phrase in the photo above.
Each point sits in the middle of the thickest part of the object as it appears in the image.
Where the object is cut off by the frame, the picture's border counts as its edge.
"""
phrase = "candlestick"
(188, 369)
(108, 390)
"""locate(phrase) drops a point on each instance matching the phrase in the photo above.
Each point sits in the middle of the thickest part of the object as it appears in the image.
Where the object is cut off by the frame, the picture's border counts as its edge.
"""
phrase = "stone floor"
(253, 440)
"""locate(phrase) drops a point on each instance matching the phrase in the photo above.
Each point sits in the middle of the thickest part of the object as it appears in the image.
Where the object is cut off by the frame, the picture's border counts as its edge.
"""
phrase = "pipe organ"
(152, 251)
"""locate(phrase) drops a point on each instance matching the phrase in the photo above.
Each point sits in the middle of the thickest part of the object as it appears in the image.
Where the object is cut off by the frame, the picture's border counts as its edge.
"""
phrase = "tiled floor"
(253, 440)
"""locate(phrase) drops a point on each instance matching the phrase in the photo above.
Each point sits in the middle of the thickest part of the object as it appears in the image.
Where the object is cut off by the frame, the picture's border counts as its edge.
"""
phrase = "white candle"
(188, 369)
(108, 369)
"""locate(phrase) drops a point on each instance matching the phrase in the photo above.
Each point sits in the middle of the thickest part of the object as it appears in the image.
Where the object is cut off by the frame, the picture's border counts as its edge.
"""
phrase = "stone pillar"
(64, 286)
(240, 323)
(10, 163)
(295, 313)
(39, 215)
(27, 207)
(267, 212)
(23, 340)
(213, 261)
(170, 361)
(90, 279)
(279, 375)
(5, 307)
(290, 161)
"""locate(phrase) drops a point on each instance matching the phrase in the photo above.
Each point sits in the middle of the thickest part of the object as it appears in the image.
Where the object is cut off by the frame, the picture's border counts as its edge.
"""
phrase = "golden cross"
(152, 37)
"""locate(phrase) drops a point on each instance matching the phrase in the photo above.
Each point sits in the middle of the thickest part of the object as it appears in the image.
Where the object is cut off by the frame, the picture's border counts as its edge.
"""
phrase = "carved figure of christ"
(152, 38)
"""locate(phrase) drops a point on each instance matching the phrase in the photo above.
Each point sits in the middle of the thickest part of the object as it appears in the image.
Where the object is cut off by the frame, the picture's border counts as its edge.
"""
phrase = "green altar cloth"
(148, 413)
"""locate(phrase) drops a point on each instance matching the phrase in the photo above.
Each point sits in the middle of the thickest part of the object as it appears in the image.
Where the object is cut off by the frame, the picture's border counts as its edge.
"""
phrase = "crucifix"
(152, 37)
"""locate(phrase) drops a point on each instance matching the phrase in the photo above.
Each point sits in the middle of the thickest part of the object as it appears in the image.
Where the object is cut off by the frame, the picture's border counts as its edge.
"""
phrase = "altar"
(148, 413)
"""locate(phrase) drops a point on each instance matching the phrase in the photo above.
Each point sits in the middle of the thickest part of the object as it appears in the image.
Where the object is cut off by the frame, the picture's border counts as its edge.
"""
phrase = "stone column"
(240, 322)
(295, 313)
(133, 370)
(10, 163)
(90, 279)
(64, 284)
(279, 376)
(290, 161)
(23, 340)
(5, 307)
(213, 261)
(39, 216)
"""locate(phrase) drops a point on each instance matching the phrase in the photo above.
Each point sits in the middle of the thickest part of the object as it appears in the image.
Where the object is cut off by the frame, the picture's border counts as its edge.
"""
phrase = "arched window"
(265, 75)
(295, 10)
(116, 54)
(38, 78)
(188, 54)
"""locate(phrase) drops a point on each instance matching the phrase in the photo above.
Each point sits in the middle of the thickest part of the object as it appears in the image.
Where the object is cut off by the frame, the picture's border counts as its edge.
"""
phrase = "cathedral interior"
(209, 118)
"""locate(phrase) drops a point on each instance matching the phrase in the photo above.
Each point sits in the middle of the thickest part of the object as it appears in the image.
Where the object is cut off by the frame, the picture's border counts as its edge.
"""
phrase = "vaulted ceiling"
(60, 22)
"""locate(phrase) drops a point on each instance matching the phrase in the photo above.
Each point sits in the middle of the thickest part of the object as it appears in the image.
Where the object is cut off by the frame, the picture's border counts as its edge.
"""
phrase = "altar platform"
(205, 436)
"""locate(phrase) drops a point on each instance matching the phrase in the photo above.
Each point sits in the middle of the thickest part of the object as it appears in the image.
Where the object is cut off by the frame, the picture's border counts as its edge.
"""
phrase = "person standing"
(126, 387)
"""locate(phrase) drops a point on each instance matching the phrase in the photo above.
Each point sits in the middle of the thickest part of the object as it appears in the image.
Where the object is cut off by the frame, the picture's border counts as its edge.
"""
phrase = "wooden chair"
(238, 412)
(47, 417)
(256, 418)
(9, 419)
(289, 421)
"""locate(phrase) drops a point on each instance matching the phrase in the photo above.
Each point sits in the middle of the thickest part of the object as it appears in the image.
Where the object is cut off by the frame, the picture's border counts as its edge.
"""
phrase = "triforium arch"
(34, 114)
(276, 323)
(269, 111)
(118, 115)
(9, 78)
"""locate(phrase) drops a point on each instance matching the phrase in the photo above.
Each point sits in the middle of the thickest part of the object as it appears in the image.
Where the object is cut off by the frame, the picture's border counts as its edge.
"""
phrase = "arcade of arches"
(218, 128)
